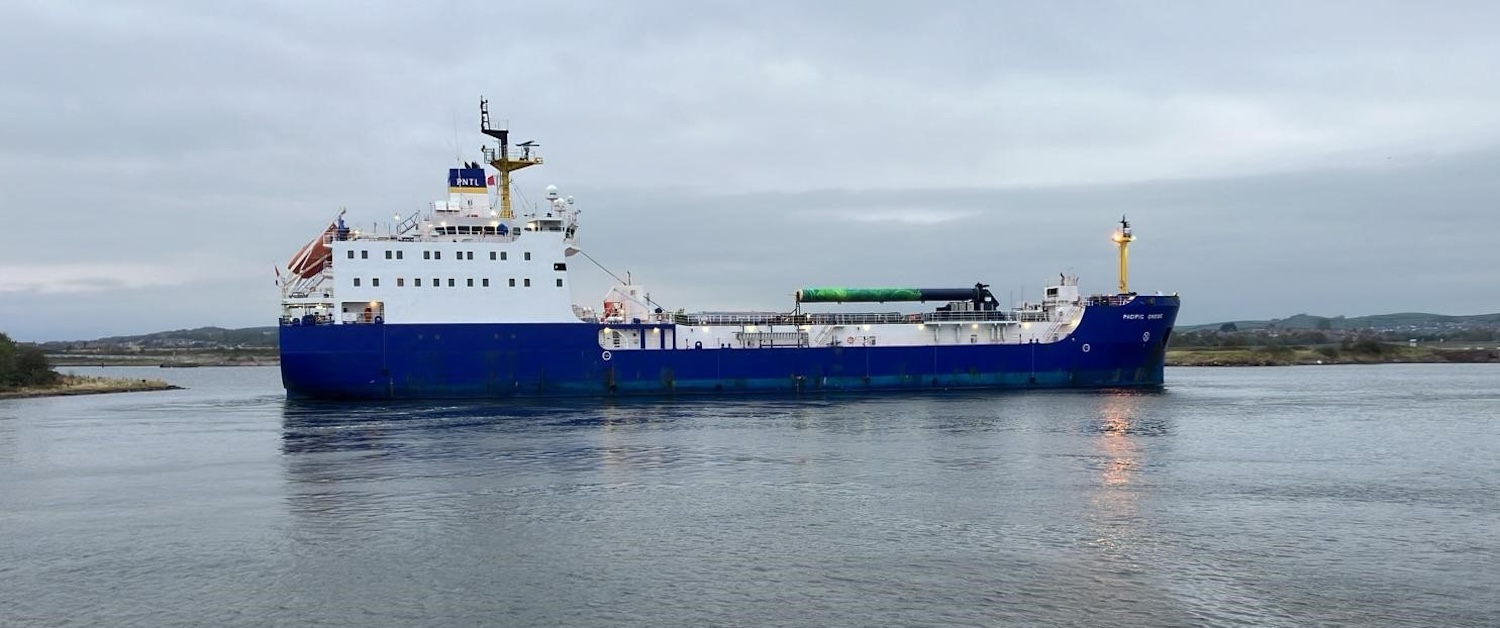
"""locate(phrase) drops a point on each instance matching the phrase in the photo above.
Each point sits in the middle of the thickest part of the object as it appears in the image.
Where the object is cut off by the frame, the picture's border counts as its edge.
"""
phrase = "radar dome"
(552, 192)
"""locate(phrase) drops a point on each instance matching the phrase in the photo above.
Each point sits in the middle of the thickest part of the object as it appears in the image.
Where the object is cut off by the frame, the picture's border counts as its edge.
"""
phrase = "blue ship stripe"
(481, 360)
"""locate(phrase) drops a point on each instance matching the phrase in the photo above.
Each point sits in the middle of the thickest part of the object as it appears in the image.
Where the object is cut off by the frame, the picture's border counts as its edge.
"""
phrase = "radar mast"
(502, 160)
(1123, 238)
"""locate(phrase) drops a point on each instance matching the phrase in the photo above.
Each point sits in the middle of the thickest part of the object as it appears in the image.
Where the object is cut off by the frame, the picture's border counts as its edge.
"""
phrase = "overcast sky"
(159, 159)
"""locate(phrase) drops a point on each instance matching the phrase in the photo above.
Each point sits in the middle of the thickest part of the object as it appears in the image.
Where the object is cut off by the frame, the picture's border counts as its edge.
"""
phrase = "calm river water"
(1303, 496)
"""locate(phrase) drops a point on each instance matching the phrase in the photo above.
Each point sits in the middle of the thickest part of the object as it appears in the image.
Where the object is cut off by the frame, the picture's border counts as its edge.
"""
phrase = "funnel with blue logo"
(467, 181)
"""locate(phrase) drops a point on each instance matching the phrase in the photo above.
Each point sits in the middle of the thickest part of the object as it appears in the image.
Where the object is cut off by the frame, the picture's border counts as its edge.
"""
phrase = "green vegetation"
(23, 366)
(25, 372)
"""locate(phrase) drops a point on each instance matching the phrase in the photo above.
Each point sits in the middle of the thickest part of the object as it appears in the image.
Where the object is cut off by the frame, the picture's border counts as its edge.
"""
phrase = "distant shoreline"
(1303, 356)
(157, 361)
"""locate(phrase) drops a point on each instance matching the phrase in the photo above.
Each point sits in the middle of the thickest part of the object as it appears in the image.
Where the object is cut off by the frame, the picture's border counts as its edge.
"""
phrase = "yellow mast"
(1123, 239)
(502, 160)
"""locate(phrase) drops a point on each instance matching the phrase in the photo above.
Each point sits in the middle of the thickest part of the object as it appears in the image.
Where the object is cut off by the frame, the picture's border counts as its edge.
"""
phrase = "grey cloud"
(730, 152)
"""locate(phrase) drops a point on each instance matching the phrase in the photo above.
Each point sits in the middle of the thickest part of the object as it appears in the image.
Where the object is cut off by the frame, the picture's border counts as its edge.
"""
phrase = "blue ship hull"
(1113, 346)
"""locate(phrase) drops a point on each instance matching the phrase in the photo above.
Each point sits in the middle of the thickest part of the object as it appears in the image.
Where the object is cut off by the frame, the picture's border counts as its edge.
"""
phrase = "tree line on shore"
(24, 366)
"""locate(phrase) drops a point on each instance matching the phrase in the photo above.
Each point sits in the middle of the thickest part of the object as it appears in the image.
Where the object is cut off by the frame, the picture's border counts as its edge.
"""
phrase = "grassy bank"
(83, 385)
(1291, 356)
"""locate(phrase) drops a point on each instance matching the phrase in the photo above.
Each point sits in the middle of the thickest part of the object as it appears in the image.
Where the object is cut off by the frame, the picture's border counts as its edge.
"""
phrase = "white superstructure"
(470, 259)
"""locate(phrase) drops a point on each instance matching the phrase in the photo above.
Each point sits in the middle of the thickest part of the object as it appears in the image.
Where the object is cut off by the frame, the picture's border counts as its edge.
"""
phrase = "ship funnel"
(468, 193)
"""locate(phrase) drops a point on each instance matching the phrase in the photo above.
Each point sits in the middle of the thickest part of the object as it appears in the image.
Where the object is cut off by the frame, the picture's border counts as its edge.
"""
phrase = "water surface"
(1337, 495)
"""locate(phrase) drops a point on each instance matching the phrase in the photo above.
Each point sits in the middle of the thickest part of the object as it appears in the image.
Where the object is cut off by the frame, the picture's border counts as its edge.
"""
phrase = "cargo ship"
(467, 298)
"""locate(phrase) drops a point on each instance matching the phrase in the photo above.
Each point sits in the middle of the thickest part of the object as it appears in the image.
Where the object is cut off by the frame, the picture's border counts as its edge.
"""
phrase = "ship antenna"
(503, 161)
(1123, 238)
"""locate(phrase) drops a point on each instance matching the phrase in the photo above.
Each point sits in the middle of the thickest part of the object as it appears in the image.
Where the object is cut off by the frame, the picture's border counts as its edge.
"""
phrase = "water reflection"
(1122, 427)
(1116, 441)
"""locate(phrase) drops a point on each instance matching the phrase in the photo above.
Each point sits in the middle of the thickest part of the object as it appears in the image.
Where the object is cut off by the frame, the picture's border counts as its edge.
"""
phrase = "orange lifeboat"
(310, 258)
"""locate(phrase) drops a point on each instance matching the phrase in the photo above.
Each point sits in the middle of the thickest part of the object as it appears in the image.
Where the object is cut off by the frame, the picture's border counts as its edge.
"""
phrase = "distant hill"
(248, 337)
(1404, 321)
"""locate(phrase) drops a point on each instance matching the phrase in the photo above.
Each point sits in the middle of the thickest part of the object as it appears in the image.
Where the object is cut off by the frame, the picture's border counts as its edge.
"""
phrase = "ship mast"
(502, 160)
(1123, 238)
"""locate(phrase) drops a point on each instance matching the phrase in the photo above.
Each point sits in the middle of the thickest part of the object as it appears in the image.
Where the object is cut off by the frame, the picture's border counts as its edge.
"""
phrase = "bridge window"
(436, 283)
(426, 254)
(356, 282)
(471, 282)
(528, 282)
(450, 282)
(400, 282)
(512, 282)
(351, 253)
(437, 255)
(486, 281)
(398, 254)
(388, 254)
(492, 256)
(417, 282)
(364, 254)
(471, 255)
(375, 282)
(502, 256)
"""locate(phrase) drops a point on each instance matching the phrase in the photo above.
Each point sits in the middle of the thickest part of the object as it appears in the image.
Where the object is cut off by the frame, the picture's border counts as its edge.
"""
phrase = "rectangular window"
(471, 255)
(398, 254)
(426, 254)
(503, 254)
(512, 282)
(559, 266)
(436, 283)
(356, 282)
(559, 283)
(364, 254)
(471, 283)
(437, 255)
(375, 283)
(486, 281)
(450, 282)
(388, 255)
(400, 282)
(492, 256)
(528, 256)
(417, 282)
(528, 282)
(351, 253)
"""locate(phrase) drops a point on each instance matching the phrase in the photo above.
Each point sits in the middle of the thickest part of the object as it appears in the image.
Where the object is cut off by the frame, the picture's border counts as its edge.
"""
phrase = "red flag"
(490, 180)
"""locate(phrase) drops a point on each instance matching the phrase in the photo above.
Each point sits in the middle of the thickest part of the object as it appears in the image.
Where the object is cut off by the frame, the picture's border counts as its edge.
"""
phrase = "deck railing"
(865, 318)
